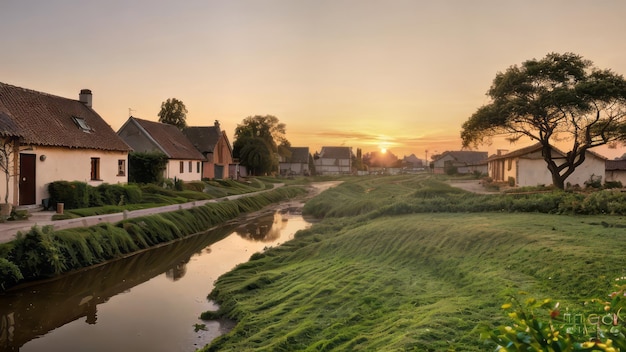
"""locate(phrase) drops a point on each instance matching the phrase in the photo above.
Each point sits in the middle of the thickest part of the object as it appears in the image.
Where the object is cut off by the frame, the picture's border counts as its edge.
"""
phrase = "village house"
(184, 160)
(213, 143)
(297, 163)
(526, 167)
(51, 138)
(333, 161)
(461, 162)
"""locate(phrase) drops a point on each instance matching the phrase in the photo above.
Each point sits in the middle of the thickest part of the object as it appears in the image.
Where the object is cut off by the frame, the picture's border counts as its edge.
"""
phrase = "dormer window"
(81, 123)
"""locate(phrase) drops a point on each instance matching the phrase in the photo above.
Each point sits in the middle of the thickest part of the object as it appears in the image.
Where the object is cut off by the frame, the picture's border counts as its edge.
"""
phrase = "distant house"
(462, 162)
(213, 143)
(297, 163)
(615, 171)
(527, 167)
(54, 139)
(333, 161)
(185, 161)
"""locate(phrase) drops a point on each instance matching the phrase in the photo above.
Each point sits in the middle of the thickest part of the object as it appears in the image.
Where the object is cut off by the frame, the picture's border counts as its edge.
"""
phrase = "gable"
(47, 120)
(168, 138)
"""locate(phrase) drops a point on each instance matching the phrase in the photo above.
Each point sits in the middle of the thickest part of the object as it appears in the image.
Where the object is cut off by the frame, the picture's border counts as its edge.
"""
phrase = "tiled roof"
(48, 120)
(533, 148)
(203, 138)
(466, 156)
(615, 165)
(336, 153)
(299, 155)
(170, 139)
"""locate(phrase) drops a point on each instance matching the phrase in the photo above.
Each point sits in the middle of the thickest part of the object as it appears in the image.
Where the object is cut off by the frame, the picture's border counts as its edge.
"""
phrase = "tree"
(259, 140)
(173, 112)
(561, 98)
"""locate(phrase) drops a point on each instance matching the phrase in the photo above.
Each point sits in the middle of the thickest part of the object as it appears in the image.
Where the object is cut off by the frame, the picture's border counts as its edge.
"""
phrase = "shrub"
(146, 167)
(10, 274)
(539, 325)
(73, 194)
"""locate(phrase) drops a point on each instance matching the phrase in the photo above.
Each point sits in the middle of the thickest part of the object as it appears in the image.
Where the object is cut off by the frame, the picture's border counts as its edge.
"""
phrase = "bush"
(10, 274)
(73, 194)
(146, 167)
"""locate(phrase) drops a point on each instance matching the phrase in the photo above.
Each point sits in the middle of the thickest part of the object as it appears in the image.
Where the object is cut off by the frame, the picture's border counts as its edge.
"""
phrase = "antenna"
(130, 112)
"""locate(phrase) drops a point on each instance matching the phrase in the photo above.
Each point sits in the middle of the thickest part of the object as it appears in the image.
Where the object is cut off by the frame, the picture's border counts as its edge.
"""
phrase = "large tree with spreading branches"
(560, 99)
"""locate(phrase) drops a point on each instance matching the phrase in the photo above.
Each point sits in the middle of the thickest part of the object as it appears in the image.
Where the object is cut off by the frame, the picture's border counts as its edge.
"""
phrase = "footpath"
(9, 229)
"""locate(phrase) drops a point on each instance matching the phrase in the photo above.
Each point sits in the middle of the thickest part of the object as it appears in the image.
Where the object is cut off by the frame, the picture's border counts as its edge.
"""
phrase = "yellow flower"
(588, 344)
(506, 306)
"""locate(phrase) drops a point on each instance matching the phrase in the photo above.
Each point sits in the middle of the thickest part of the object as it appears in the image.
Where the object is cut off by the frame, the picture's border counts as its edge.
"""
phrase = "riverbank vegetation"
(409, 263)
(42, 252)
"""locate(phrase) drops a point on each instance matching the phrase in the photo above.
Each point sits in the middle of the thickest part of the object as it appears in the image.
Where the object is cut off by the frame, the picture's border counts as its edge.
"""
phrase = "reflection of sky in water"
(150, 311)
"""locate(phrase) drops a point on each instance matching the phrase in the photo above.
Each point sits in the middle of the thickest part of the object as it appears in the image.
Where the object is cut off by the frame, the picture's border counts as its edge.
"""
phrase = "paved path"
(9, 229)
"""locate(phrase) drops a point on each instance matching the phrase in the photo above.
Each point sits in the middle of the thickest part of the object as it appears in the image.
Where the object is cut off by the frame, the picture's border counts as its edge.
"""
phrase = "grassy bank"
(373, 278)
(43, 252)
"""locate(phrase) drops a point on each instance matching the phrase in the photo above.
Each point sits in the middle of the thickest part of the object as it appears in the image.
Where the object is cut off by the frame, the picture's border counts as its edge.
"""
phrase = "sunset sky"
(367, 74)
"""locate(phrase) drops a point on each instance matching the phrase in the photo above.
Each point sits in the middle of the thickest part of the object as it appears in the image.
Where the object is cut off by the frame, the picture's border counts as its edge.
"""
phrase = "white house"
(333, 161)
(54, 139)
(461, 161)
(297, 163)
(184, 160)
(526, 167)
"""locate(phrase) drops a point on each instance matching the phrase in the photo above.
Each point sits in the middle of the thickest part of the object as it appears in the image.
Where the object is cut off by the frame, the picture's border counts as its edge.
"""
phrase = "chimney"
(217, 125)
(85, 97)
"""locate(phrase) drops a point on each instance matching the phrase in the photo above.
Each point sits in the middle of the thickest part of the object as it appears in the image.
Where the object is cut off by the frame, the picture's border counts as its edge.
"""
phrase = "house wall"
(63, 164)
(439, 164)
(328, 166)
(533, 172)
(172, 170)
(616, 175)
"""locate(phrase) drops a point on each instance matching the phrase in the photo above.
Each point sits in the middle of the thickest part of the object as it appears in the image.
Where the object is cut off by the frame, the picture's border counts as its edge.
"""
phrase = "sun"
(383, 150)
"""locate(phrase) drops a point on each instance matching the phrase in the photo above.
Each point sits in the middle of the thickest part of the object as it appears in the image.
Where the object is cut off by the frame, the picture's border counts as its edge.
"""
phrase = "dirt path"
(474, 186)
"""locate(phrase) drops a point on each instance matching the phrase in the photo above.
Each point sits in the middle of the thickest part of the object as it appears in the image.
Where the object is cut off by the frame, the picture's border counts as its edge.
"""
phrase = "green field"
(380, 273)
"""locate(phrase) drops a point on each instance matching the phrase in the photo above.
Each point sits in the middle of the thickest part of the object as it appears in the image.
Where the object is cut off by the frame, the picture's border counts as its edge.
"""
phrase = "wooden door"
(27, 179)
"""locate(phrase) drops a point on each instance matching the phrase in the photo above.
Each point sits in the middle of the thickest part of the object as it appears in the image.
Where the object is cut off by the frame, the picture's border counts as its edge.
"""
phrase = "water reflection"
(32, 311)
(130, 300)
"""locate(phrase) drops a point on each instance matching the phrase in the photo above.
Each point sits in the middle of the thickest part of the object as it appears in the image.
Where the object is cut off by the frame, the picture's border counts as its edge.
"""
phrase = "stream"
(149, 301)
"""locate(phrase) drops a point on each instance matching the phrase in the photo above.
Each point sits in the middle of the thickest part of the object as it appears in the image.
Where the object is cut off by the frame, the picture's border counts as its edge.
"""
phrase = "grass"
(368, 280)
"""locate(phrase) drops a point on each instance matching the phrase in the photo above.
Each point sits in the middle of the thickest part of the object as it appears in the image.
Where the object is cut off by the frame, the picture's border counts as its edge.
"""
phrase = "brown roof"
(48, 120)
(616, 165)
(299, 155)
(336, 153)
(169, 138)
(204, 138)
(533, 148)
(467, 157)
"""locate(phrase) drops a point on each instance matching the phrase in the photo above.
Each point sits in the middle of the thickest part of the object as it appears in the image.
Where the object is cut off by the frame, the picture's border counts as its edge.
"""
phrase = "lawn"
(366, 278)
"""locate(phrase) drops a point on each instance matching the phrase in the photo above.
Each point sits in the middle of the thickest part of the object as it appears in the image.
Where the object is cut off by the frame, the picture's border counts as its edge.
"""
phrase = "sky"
(394, 74)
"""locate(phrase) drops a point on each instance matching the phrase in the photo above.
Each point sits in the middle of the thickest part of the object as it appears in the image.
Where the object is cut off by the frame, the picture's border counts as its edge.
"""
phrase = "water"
(149, 301)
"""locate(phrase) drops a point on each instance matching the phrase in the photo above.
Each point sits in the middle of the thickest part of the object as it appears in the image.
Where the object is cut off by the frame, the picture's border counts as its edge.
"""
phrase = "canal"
(149, 301)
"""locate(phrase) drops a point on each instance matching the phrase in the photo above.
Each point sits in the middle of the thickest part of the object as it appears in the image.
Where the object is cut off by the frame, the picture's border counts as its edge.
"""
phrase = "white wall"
(173, 170)
(62, 164)
(533, 172)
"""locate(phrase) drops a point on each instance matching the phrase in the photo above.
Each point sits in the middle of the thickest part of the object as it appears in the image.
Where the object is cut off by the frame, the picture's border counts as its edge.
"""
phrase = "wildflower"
(506, 306)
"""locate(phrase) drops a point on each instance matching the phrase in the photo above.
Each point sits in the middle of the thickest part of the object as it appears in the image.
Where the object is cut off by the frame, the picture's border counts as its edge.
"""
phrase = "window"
(182, 167)
(121, 167)
(95, 169)
(198, 167)
(190, 166)
(81, 123)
